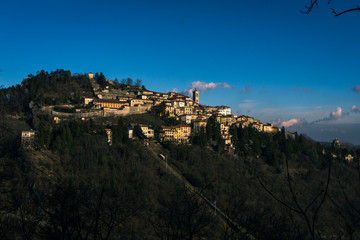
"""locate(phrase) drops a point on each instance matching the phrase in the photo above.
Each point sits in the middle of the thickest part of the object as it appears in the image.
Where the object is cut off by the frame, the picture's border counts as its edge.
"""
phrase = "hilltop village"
(108, 100)
(118, 153)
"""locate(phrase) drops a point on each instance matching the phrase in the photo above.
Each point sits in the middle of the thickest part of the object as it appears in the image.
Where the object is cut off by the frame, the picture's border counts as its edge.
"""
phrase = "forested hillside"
(57, 87)
(71, 184)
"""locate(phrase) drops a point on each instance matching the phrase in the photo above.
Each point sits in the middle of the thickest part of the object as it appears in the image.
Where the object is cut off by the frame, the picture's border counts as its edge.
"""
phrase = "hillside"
(71, 184)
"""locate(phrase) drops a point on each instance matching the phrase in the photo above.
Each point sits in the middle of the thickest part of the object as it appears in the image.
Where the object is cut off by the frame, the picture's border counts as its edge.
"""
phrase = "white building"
(349, 157)
(224, 110)
(88, 100)
(186, 118)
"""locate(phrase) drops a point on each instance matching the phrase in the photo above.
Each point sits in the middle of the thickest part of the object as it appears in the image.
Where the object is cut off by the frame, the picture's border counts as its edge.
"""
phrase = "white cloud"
(292, 122)
(203, 87)
(338, 113)
(355, 109)
(225, 85)
(276, 122)
(334, 115)
(289, 123)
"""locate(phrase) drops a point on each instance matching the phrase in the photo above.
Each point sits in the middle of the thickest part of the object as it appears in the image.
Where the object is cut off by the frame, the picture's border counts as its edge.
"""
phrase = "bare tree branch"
(307, 217)
(276, 198)
(302, 212)
(314, 3)
(324, 196)
(345, 11)
(310, 7)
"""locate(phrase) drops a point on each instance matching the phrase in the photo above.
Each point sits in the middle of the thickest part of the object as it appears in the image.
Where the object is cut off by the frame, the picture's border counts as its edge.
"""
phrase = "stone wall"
(127, 110)
(106, 112)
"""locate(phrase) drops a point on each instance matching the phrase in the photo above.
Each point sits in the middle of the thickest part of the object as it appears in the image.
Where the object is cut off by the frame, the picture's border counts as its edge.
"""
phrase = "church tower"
(196, 96)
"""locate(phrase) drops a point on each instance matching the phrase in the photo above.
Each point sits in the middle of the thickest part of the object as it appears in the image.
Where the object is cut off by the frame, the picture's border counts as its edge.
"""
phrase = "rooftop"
(173, 127)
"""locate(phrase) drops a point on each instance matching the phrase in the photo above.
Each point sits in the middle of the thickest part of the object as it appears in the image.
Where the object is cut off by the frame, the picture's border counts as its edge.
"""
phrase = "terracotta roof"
(178, 97)
(108, 101)
(199, 120)
(173, 127)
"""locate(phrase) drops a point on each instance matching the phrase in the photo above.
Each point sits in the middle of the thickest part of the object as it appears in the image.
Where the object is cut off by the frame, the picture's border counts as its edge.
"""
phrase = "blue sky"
(281, 64)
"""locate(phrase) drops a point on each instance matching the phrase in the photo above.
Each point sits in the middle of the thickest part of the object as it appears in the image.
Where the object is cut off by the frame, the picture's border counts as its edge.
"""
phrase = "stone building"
(198, 124)
(108, 103)
(177, 134)
(27, 138)
(196, 96)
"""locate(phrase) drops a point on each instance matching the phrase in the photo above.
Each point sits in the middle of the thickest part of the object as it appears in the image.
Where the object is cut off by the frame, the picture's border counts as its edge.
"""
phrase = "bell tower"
(196, 96)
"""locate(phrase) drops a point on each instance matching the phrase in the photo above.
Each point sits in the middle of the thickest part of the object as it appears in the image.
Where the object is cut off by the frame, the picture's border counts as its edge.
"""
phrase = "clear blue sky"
(280, 64)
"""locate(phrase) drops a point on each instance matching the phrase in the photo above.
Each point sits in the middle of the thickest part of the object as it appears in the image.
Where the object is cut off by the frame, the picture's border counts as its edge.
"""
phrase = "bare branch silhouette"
(309, 218)
(314, 3)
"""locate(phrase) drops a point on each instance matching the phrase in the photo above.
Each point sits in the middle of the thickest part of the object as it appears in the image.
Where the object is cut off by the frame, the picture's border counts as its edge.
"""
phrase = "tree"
(184, 216)
(138, 82)
(138, 132)
(307, 210)
(210, 128)
(101, 80)
(201, 138)
(44, 134)
(315, 3)
(129, 82)
(120, 132)
(159, 110)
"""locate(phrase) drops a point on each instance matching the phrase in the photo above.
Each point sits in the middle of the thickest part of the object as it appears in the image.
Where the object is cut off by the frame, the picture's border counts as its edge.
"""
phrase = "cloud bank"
(338, 113)
(293, 122)
(289, 123)
(203, 87)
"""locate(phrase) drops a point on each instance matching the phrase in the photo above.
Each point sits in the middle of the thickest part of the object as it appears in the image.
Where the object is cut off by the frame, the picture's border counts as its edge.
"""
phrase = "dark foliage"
(57, 87)
(73, 185)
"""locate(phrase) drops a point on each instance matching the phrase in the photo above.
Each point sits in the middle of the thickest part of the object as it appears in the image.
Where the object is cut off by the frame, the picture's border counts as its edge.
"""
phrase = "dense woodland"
(73, 185)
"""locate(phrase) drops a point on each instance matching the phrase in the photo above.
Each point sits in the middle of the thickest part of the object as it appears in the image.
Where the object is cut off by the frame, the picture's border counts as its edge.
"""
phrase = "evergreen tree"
(69, 138)
(43, 134)
(210, 128)
(120, 132)
(201, 139)
(101, 80)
